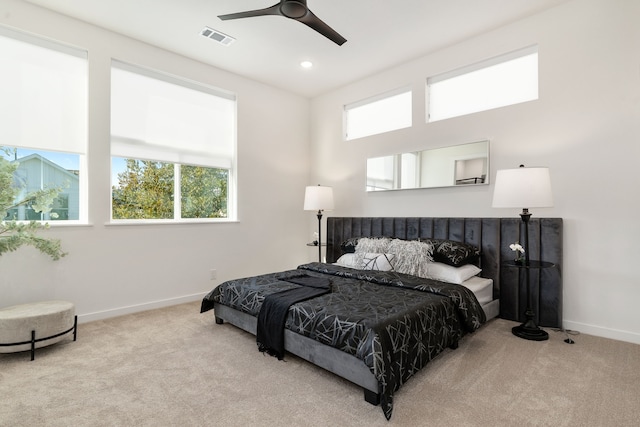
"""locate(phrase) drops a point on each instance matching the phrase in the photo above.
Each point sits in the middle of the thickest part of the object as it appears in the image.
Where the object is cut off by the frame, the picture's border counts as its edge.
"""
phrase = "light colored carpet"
(175, 367)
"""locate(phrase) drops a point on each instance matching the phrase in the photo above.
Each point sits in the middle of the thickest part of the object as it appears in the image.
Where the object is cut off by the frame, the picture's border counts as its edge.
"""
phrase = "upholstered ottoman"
(30, 326)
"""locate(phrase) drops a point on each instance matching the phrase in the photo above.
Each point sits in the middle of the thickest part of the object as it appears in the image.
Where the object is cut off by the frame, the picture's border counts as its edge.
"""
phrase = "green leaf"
(15, 234)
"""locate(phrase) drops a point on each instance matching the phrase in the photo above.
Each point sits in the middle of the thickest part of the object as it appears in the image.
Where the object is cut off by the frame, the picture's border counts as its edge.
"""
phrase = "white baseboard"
(100, 315)
(599, 331)
(584, 328)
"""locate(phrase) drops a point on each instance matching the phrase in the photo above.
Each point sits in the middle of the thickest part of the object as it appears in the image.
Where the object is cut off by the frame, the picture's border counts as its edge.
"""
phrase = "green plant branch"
(14, 234)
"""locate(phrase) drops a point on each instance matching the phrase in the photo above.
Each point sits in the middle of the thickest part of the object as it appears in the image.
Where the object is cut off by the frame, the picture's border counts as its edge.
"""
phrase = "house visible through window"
(43, 111)
(383, 113)
(504, 80)
(43, 169)
(172, 147)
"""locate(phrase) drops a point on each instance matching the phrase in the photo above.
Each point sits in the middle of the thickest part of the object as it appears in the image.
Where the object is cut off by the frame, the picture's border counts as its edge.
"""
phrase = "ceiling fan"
(293, 9)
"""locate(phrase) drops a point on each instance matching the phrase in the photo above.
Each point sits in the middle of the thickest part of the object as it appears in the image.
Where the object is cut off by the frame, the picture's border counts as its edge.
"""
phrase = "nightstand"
(319, 246)
(529, 330)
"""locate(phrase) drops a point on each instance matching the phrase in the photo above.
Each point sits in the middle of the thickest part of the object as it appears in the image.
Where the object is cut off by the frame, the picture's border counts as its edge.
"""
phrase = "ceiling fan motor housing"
(294, 9)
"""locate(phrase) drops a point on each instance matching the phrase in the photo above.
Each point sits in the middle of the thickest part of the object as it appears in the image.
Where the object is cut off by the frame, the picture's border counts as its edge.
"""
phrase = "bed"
(376, 328)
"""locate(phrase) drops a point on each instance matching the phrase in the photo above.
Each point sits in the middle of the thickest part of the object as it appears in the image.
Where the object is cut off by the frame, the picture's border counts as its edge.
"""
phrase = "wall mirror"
(457, 165)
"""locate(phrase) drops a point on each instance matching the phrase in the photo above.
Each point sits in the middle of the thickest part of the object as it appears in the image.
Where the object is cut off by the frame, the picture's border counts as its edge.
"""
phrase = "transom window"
(172, 147)
(504, 80)
(379, 114)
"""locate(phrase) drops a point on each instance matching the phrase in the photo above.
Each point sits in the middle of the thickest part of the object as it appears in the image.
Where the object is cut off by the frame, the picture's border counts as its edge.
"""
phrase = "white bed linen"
(482, 288)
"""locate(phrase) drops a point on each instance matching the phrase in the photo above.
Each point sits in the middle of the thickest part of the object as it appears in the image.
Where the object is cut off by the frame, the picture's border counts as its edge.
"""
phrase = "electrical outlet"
(213, 274)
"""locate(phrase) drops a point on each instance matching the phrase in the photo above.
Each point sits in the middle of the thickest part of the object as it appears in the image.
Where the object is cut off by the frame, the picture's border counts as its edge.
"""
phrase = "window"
(172, 147)
(384, 113)
(43, 105)
(38, 170)
(505, 80)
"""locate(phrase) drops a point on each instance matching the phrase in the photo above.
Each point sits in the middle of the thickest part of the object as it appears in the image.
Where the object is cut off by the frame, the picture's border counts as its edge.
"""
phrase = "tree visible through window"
(204, 192)
(146, 190)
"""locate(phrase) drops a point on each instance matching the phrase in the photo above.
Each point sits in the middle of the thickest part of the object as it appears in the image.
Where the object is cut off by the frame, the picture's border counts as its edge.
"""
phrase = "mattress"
(482, 288)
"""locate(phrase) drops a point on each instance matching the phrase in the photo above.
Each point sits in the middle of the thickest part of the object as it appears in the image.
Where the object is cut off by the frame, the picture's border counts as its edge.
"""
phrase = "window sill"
(145, 222)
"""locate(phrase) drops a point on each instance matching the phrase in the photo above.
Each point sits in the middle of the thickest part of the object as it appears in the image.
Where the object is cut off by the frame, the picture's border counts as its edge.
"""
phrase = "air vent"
(215, 35)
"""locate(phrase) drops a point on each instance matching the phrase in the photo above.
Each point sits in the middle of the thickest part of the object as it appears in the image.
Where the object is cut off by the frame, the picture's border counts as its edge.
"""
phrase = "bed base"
(333, 360)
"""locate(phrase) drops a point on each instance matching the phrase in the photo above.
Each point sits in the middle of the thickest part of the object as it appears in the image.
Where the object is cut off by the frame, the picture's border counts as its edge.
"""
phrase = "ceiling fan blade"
(296, 10)
(273, 10)
(312, 21)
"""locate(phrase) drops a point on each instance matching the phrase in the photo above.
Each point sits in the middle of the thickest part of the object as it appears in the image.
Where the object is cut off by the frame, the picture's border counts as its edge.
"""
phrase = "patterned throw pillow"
(379, 262)
(373, 245)
(453, 253)
(349, 245)
(412, 256)
(365, 244)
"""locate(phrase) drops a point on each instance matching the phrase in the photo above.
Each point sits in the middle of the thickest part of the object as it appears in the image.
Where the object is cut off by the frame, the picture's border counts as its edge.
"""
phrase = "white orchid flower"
(516, 247)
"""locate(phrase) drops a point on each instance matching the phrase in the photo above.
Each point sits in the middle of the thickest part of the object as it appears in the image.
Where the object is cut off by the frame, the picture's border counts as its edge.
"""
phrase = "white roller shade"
(43, 94)
(153, 118)
(497, 82)
(379, 114)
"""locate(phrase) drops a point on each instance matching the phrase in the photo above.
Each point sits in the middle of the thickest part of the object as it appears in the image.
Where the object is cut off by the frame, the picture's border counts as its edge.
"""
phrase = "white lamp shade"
(318, 198)
(523, 188)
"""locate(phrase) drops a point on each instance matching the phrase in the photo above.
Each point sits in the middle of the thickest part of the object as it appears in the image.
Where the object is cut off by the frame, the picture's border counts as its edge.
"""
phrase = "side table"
(529, 330)
(319, 248)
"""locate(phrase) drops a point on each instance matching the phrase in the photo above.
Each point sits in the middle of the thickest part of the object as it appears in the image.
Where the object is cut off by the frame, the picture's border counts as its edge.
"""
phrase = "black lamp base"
(529, 331)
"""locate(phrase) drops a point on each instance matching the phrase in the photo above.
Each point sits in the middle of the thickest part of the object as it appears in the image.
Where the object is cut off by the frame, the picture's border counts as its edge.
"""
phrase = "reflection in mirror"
(466, 164)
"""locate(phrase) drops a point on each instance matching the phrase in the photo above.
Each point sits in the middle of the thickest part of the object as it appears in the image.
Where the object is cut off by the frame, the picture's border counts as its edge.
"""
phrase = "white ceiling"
(380, 33)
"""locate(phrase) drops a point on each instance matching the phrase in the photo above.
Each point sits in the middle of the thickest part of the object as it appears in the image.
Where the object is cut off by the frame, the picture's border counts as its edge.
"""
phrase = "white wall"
(585, 127)
(113, 269)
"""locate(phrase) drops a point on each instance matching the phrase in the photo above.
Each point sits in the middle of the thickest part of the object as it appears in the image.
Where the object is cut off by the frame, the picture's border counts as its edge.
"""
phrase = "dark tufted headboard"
(493, 236)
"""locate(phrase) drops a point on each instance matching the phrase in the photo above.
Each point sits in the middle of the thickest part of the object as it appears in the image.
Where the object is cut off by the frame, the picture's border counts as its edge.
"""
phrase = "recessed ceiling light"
(216, 35)
(306, 64)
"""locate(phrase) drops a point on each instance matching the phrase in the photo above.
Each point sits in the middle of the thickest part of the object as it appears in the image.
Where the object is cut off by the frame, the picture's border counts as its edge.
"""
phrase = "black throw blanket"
(273, 313)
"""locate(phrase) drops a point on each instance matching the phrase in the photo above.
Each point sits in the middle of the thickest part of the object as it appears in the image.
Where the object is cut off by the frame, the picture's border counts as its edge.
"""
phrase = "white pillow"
(380, 262)
(448, 273)
(347, 260)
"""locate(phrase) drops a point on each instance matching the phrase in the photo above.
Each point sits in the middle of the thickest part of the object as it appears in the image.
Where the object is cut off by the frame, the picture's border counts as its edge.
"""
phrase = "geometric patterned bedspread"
(394, 322)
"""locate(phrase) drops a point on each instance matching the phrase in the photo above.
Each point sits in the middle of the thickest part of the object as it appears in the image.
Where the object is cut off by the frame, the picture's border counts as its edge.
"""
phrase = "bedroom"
(585, 128)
